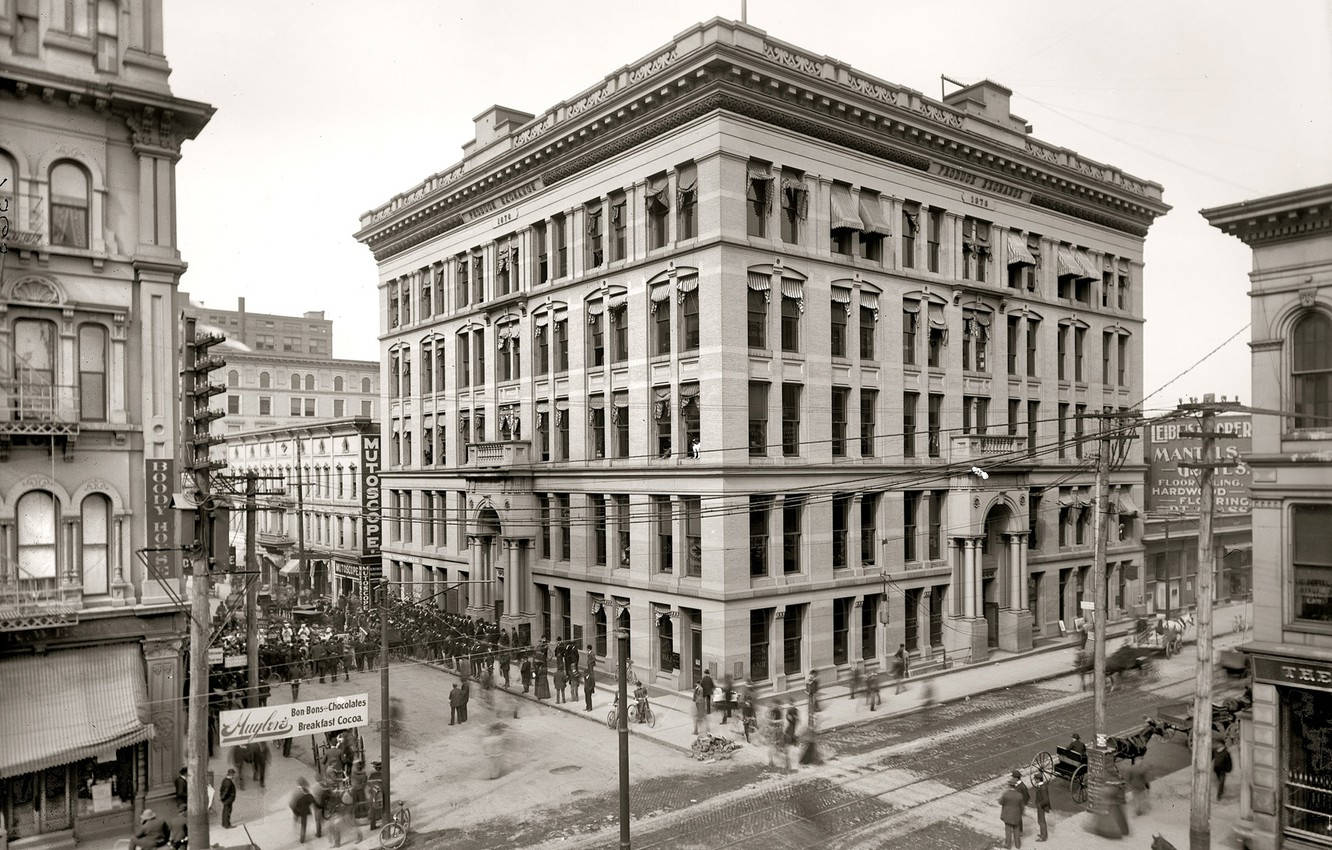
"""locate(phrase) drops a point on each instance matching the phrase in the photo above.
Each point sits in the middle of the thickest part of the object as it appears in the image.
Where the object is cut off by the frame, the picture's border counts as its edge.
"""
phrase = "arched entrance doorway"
(994, 564)
(488, 539)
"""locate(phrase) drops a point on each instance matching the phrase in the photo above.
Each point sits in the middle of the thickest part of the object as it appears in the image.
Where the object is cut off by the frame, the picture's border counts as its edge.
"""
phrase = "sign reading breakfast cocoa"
(273, 722)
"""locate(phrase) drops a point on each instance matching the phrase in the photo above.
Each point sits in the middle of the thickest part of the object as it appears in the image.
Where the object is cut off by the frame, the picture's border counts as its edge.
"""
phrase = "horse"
(1134, 747)
(1172, 632)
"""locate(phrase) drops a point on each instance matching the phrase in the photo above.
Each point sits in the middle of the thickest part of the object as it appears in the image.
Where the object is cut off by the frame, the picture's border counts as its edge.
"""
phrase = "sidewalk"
(1169, 818)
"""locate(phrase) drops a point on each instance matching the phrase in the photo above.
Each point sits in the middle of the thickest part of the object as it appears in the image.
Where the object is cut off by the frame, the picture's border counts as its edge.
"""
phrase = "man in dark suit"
(152, 831)
(589, 688)
(182, 788)
(1010, 812)
(227, 794)
(179, 827)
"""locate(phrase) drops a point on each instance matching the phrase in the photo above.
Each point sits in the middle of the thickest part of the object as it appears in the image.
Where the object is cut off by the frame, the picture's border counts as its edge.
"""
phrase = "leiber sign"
(273, 722)
(1170, 487)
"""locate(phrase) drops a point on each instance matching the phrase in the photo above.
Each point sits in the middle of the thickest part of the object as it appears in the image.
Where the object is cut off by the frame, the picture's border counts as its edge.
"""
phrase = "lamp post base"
(1106, 791)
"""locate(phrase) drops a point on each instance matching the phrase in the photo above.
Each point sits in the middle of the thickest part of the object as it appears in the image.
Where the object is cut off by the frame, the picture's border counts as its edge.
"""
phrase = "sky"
(326, 109)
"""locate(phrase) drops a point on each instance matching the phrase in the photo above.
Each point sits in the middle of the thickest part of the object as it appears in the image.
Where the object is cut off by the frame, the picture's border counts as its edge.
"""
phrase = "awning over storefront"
(291, 568)
(1126, 507)
(65, 706)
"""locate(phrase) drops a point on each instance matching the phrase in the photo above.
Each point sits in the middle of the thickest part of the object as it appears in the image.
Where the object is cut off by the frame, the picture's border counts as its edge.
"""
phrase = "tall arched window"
(36, 512)
(365, 385)
(233, 378)
(92, 373)
(70, 202)
(309, 383)
(337, 383)
(34, 366)
(263, 380)
(295, 381)
(1311, 371)
(96, 544)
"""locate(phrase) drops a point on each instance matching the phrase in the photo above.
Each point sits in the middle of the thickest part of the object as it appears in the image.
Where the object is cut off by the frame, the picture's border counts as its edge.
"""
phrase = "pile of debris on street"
(709, 747)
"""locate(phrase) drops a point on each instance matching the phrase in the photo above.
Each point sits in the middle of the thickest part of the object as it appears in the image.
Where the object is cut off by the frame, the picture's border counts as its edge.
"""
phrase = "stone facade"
(1286, 758)
(90, 134)
(653, 355)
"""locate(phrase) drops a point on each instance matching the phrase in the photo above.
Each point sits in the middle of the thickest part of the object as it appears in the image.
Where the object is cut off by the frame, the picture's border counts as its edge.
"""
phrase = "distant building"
(91, 669)
(1286, 755)
(280, 371)
(1170, 523)
(322, 461)
(713, 346)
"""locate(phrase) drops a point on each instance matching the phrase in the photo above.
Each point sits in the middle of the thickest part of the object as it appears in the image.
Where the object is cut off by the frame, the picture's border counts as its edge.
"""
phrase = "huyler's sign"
(274, 722)
(1171, 488)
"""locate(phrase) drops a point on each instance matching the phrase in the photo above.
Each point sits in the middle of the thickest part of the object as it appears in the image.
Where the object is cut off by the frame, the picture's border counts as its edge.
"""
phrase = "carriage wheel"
(650, 717)
(1077, 785)
(392, 836)
(1044, 763)
(612, 717)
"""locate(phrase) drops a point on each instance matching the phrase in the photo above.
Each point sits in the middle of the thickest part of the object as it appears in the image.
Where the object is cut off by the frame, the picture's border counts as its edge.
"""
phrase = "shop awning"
(844, 213)
(65, 706)
(291, 568)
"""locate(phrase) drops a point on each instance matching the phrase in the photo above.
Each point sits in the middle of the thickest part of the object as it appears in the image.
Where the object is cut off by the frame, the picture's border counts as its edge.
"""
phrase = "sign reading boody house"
(274, 722)
(159, 480)
(1172, 487)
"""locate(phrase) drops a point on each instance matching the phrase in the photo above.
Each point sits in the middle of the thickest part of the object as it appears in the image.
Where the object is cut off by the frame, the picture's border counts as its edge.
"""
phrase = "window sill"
(1308, 627)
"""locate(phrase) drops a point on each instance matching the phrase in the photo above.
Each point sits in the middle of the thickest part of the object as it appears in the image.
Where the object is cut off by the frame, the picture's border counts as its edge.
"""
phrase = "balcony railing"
(33, 604)
(31, 407)
(1007, 449)
(499, 455)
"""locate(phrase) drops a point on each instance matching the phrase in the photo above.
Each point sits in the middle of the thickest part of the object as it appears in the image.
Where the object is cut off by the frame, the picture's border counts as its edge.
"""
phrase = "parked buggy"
(1071, 766)
(1177, 720)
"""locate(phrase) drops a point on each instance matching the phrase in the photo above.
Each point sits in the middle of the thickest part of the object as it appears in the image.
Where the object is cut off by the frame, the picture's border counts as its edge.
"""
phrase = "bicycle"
(644, 714)
(393, 833)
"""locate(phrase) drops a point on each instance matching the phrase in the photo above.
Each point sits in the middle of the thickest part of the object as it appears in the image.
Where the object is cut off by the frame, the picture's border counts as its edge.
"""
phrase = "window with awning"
(870, 301)
(795, 290)
(842, 297)
(936, 316)
(871, 215)
(1018, 251)
(845, 215)
(759, 282)
(1066, 262)
(659, 294)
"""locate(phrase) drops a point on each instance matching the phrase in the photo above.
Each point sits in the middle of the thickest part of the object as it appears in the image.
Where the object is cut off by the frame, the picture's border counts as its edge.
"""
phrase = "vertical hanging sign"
(371, 517)
(159, 479)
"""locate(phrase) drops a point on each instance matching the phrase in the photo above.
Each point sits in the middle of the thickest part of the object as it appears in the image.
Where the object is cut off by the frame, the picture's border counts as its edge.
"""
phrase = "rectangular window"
(462, 285)
(975, 341)
(543, 430)
(840, 395)
(1079, 343)
(933, 236)
(791, 309)
(427, 374)
(910, 401)
(869, 533)
(309, 407)
(661, 319)
(479, 357)
(910, 317)
(543, 517)
(622, 529)
(758, 319)
(619, 221)
(692, 506)
(664, 520)
(561, 428)
(841, 510)
(541, 358)
(689, 321)
(597, 505)
(265, 405)
(758, 198)
(1311, 562)
(233, 405)
(92, 374)
(758, 419)
(1033, 518)
(975, 249)
(1121, 361)
(1063, 428)
(478, 278)
(295, 406)
(868, 321)
(686, 202)
(367, 408)
(1122, 290)
(759, 510)
(559, 247)
(911, 500)
(759, 636)
(566, 525)
(596, 338)
(841, 624)
(1080, 414)
(1013, 324)
(691, 419)
(538, 251)
(792, 516)
(1107, 348)
(791, 420)
(937, 498)
(464, 360)
(662, 418)
(869, 629)
(1014, 416)
(838, 326)
(596, 426)
(621, 415)
(876, 226)
(869, 403)
(1107, 284)
(910, 228)
(561, 330)
(619, 320)
(975, 412)
(795, 204)
(1033, 418)
(935, 423)
(658, 202)
(594, 250)
(1061, 351)
(793, 630)
(1032, 327)
(937, 338)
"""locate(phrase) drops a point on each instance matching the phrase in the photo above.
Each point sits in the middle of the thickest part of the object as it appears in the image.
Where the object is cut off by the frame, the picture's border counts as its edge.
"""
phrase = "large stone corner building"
(714, 345)
(90, 668)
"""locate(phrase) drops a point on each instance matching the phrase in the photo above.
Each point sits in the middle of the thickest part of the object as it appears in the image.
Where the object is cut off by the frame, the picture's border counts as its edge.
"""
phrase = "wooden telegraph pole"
(1200, 808)
(1101, 772)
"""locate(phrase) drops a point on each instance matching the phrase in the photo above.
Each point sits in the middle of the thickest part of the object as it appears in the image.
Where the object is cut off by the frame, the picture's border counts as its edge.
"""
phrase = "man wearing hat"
(1021, 786)
(1010, 812)
(152, 831)
(1041, 789)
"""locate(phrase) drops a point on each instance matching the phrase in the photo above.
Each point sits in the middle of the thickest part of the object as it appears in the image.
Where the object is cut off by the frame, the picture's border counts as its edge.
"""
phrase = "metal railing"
(33, 604)
(500, 453)
(985, 446)
(32, 406)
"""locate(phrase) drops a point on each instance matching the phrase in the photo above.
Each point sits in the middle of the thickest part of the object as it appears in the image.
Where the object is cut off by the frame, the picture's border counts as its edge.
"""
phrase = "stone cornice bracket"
(152, 133)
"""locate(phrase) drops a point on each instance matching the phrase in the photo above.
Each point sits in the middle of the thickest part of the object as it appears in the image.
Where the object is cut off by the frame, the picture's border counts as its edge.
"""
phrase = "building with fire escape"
(91, 677)
(714, 346)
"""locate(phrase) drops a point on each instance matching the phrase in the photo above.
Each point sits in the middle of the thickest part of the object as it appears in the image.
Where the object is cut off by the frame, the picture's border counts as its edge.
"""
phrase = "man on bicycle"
(640, 701)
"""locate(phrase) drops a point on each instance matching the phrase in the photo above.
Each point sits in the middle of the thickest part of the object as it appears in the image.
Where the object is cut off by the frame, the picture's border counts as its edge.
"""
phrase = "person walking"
(455, 701)
(901, 665)
(589, 688)
(1221, 765)
(1010, 812)
(1135, 776)
(709, 688)
(179, 827)
(776, 732)
(857, 675)
(463, 699)
(226, 792)
(526, 671)
(700, 709)
(1021, 786)
(152, 831)
(259, 761)
(590, 659)
(812, 693)
(792, 720)
(560, 681)
(727, 697)
(302, 803)
(542, 680)
(1041, 792)
(872, 689)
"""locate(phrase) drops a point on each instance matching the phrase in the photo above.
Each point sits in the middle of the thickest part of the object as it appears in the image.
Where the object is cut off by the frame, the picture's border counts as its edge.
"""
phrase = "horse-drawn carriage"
(1070, 765)
(1178, 720)
(1127, 660)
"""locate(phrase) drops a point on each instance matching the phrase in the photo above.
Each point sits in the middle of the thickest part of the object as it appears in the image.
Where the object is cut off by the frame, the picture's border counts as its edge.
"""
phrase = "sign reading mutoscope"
(371, 518)
(274, 722)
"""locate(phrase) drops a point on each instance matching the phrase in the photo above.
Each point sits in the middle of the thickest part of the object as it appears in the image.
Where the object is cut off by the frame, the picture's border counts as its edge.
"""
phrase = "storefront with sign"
(1290, 729)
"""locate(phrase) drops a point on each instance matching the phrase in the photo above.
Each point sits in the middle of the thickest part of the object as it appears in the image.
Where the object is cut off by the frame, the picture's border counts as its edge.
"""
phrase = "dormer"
(495, 124)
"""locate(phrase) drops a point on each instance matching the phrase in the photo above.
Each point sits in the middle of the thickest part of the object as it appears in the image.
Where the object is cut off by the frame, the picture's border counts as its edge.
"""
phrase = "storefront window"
(105, 783)
(1307, 764)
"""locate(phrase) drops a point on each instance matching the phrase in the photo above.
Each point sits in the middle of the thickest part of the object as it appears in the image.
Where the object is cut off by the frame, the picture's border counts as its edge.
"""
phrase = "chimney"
(240, 304)
(989, 101)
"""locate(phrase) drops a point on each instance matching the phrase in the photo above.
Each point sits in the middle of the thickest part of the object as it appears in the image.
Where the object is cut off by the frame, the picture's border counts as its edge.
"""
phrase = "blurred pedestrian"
(560, 682)
(872, 689)
(526, 671)
(302, 804)
(1221, 766)
(792, 720)
(776, 732)
(812, 693)
(455, 702)
(901, 665)
(700, 710)
(857, 675)
(1135, 776)
(226, 793)
(709, 688)
(493, 747)
(1010, 812)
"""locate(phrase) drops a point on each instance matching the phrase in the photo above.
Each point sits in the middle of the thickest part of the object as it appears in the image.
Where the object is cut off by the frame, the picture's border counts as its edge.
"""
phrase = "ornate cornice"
(1087, 214)
(1301, 214)
(184, 119)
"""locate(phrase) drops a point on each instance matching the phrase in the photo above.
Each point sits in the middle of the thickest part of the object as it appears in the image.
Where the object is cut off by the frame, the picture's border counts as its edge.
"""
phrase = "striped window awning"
(69, 705)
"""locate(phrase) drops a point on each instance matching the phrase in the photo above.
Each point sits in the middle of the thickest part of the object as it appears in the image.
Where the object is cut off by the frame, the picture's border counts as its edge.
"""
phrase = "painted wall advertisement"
(159, 481)
(274, 722)
(1172, 488)
(371, 518)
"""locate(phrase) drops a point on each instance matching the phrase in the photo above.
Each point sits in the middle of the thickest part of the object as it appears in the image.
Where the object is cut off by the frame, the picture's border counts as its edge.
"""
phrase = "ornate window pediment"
(36, 289)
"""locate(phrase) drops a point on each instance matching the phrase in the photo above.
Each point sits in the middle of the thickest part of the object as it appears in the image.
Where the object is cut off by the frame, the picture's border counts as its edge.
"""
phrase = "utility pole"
(197, 418)
(300, 517)
(1101, 770)
(622, 636)
(1200, 806)
(251, 595)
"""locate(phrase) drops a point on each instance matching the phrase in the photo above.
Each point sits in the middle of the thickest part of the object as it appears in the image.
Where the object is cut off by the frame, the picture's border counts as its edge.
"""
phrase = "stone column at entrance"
(476, 596)
(969, 598)
(923, 644)
(166, 752)
(1014, 619)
